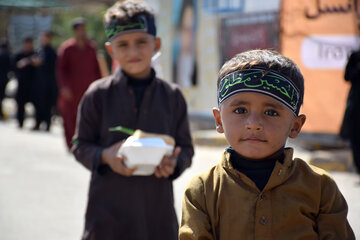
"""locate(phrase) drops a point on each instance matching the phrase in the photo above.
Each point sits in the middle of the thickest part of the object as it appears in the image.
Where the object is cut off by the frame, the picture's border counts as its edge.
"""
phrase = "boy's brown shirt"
(298, 202)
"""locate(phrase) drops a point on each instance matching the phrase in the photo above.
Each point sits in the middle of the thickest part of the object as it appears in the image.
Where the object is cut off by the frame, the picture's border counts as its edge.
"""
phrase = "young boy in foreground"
(258, 191)
(121, 205)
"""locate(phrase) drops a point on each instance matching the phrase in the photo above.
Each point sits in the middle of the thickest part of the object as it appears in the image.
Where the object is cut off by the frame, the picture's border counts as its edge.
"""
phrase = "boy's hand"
(168, 164)
(23, 63)
(110, 157)
(36, 61)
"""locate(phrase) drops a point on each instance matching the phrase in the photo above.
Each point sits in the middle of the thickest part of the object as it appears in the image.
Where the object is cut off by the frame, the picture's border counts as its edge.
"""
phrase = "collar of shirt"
(258, 170)
(140, 81)
(241, 162)
(122, 79)
(280, 173)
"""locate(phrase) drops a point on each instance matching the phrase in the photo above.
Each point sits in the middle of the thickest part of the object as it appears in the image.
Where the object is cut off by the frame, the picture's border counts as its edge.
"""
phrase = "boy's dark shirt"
(27, 73)
(258, 171)
(137, 207)
(352, 74)
(5, 66)
(139, 86)
(25, 77)
(45, 84)
(350, 128)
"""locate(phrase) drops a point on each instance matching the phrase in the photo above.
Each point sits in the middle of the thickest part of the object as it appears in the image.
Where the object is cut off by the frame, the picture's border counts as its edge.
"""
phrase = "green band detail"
(116, 29)
(259, 80)
(138, 23)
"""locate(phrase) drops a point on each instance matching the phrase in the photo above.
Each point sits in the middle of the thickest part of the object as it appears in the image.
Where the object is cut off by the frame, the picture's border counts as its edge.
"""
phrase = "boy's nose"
(254, 123)
(133, 50)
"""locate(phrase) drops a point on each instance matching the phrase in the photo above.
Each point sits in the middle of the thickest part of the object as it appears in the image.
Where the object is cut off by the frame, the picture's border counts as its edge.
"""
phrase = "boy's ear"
(218, 121)
(297, 125)
(157, 44)
(109, 48)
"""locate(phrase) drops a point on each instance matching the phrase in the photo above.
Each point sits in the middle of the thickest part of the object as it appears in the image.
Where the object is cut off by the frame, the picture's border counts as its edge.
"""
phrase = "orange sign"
(319, 35)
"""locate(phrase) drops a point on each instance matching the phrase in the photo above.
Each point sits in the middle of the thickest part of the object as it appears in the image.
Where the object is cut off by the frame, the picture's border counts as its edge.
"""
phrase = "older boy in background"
(121, 205)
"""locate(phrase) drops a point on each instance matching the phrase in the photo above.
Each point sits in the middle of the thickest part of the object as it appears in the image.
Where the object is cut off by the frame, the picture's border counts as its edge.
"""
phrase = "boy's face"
(45, 39)
(255, 125)
(80, 31)
(134, 51)
(28, 46)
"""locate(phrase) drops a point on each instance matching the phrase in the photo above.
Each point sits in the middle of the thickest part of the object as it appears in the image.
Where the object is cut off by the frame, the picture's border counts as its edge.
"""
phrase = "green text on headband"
(262, 81)
(138, 23)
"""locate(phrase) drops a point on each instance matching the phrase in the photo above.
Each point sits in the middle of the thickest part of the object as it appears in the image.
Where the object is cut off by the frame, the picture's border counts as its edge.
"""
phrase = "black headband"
(138, 23)
(262, 81)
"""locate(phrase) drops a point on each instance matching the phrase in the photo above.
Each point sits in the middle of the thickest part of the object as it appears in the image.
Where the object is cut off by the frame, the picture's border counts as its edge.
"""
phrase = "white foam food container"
(144, 153)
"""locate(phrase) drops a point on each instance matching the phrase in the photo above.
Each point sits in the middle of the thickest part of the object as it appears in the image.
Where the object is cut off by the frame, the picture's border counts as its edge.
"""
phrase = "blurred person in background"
(25, 71)
(5, 68)
(77, 67)
(45, 91)
(350, 128)
(184, 49)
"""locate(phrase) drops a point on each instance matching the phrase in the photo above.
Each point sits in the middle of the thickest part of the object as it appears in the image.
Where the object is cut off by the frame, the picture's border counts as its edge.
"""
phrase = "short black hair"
(269, 60)
(48, 33)
(77, 21)
(28, 39)
(4, 44)
(122, 11)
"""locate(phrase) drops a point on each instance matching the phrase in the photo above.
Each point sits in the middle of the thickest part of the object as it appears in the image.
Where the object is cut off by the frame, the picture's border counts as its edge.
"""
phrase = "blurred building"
(211, 32)
(198, 36)
(24, 18)
(317, 35)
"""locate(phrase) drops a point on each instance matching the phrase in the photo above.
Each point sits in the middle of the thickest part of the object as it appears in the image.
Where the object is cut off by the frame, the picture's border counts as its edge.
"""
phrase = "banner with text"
(319, 35)
(247, 31)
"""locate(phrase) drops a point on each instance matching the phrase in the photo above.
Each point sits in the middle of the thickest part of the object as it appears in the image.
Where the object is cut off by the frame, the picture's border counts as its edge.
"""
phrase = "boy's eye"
(271, 113)
(122, 45)
(240, 110)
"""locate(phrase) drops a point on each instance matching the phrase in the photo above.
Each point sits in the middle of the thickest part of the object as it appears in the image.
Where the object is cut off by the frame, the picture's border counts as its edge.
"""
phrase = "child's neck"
(278, 155)
(259, 170)
(148, 78)
(80, 42)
